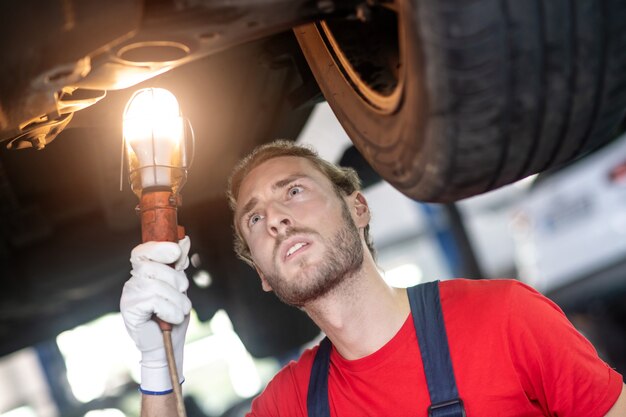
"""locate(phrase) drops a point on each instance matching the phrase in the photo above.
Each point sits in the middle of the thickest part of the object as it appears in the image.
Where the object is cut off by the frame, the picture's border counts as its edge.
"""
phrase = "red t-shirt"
(513, 351)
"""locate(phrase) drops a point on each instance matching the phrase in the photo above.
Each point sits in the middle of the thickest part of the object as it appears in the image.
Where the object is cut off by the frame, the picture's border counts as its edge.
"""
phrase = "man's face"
(301, 234)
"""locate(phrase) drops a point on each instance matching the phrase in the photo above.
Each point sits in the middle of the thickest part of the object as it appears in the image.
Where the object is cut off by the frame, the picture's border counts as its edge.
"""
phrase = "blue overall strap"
(317, 397)
(433, 344)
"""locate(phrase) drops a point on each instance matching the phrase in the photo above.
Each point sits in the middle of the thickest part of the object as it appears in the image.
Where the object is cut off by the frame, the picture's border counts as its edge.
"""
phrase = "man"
(303, 224)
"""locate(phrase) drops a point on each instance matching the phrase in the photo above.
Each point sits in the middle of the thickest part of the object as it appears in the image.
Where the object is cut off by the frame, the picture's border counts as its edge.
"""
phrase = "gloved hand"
(157, 288)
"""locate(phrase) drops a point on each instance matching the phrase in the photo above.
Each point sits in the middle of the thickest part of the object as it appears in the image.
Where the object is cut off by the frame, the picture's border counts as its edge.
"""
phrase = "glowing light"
(154, 133)
(108, 412)
(404, 276)
(20, 412)
(202, 279)
(225, 345)
(92, 355)
(525, 183)
(243, 374)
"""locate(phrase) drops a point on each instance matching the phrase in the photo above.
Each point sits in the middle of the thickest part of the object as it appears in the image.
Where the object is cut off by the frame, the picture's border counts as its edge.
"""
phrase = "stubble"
(342, 259)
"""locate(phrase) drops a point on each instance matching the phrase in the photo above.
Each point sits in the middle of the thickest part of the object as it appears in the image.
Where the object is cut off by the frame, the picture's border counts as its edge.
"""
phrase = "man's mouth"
(295, 248)
(295, 241)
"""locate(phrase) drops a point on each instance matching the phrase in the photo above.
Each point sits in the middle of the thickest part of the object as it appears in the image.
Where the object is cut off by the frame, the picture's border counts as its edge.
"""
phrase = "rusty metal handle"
(159, 223)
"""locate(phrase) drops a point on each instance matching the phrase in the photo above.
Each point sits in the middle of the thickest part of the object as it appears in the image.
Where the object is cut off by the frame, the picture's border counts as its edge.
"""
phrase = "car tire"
(451, 98)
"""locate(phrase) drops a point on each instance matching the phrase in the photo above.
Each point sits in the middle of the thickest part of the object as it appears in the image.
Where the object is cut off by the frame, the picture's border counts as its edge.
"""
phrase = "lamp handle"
(159, 223)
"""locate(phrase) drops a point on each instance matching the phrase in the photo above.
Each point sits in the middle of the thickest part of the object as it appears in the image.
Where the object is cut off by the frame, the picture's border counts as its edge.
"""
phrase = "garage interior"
(86, 365)
(66, 231)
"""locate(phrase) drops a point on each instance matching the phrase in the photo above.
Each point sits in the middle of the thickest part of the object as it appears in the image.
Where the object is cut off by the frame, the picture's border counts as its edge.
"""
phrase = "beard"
(343, 257)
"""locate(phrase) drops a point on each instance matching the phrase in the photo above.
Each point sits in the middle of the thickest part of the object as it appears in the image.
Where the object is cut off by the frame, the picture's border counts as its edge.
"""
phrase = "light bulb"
(154, 134)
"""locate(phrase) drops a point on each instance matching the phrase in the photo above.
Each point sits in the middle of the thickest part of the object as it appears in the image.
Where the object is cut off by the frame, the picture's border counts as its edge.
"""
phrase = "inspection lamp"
(155, 134)
(155, 145)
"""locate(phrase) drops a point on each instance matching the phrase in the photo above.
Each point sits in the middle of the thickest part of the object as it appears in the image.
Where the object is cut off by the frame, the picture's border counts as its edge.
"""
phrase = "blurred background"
(563, 232)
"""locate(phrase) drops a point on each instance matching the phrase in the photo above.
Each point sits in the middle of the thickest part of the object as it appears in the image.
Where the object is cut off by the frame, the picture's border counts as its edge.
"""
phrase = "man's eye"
(253, 219)
(296, 189)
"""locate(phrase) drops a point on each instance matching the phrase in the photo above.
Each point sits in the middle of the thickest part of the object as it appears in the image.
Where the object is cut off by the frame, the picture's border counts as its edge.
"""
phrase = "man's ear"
(359, 209)
(264, 284)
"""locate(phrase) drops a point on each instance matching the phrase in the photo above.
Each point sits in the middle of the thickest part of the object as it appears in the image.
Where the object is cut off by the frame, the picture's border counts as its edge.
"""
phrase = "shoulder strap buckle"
(439, 408)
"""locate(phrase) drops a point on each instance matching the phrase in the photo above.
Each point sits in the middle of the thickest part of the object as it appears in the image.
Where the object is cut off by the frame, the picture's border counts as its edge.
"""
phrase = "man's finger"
(143, 297)
(164, 252)
(161, 272)
(183, 261)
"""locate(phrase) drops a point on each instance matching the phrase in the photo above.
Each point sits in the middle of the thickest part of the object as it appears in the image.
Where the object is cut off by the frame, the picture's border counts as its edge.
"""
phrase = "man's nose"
(278, 219)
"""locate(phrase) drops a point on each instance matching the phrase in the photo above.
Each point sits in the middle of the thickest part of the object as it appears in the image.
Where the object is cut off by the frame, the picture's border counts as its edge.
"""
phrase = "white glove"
(157, 288)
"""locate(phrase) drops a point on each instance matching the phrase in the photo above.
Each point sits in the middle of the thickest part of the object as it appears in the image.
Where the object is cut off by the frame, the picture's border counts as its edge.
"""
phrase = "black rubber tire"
(492, 91)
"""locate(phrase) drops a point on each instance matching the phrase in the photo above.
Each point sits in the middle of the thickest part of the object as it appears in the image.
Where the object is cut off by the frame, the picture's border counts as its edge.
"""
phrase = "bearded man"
(452, 348)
